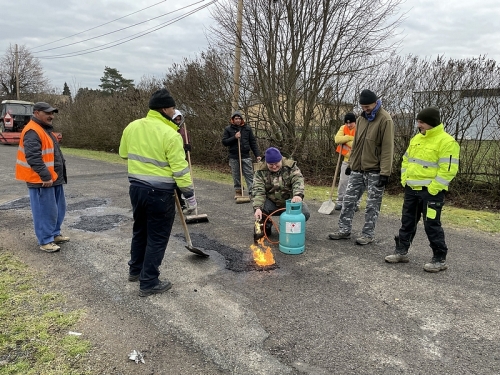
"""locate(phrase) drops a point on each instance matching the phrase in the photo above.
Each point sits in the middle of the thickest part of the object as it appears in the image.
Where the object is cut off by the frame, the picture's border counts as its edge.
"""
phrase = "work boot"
(339, 236)
(237, 194)
(364, 240)
(268, 229)
(50, 247)
(60, 239)
(397, 258)
(338, 206)
(435, 266)
(163, 286)
(400, 252)
(133, 278)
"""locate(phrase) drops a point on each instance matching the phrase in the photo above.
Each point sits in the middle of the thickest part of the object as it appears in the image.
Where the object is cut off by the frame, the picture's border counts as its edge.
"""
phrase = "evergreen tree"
(113, 81)
(66, 90)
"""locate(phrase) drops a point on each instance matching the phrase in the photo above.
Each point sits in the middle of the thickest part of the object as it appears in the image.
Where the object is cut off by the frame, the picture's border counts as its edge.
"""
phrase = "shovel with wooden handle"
(329, 206)
(186, 231)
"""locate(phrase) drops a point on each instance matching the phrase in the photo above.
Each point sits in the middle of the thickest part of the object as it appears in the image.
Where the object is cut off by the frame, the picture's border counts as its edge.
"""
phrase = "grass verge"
(460, 218)
(34, 325)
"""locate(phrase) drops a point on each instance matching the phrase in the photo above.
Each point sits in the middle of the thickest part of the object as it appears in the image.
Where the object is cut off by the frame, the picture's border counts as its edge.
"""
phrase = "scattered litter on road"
(136, 356)
(74, 333)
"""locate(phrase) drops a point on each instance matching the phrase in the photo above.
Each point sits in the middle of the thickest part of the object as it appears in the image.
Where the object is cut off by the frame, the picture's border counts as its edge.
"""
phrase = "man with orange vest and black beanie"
(41, 164)
(344, 139)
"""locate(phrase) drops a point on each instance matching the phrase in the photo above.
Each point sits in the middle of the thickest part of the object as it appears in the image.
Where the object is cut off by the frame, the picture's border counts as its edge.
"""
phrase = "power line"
(96, 27)
(127, 39)
(115, 31)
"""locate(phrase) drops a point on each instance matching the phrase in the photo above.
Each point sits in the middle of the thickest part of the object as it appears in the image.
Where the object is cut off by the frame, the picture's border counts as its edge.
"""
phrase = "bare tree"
(31, 75)
(295, 52)
(202, 91)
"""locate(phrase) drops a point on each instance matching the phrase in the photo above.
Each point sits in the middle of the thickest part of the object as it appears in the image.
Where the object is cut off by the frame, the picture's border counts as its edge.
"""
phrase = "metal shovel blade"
(327, 207)
(197, 251)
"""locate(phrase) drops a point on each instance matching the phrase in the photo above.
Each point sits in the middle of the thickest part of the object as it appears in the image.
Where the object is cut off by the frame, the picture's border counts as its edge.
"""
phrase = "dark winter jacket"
(373, 146)
(33, 152)
(247, 141)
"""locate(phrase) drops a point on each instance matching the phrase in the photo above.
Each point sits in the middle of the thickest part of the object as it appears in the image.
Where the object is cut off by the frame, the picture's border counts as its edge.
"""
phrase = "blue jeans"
(48, 206)
(247, 166)
(154, 214)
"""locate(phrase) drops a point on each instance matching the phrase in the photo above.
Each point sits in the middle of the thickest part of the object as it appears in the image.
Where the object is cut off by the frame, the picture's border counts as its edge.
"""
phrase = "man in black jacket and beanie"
(238, 131)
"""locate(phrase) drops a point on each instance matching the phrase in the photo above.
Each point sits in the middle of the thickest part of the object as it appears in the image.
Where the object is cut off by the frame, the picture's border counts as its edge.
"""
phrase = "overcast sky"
(451, 28)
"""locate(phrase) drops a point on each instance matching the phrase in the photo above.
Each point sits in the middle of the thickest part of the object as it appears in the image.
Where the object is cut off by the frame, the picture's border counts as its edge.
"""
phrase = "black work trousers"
(418, 203)
(154, 213)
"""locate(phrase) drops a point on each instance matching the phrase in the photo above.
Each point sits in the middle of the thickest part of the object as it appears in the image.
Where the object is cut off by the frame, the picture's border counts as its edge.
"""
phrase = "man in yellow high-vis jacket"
(429, 165)
(156, 166)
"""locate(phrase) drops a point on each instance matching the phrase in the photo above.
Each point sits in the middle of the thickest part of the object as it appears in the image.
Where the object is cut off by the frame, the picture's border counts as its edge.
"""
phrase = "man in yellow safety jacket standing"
(429, 165)
(156, 166)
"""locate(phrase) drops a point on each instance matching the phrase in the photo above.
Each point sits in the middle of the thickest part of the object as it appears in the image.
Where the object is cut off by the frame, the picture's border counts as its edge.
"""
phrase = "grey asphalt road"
(338, 308)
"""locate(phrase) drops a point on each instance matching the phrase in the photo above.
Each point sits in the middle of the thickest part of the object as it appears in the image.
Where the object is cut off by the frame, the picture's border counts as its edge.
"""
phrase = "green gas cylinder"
(292, 229)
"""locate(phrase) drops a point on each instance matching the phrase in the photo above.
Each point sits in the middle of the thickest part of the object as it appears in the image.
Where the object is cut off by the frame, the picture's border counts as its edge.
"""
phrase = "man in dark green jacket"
(369, 169)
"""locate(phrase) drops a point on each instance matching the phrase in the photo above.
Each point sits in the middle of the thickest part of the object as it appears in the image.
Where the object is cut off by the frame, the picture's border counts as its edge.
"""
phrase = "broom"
(241, 199)
(196, 218)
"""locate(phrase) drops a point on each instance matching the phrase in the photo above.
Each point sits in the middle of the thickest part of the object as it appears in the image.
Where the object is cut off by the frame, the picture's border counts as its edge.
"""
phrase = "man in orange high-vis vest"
(40, 163)
(344, 138)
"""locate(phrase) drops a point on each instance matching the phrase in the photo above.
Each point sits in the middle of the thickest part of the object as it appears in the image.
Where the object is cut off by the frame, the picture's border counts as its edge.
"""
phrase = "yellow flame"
(262, 254)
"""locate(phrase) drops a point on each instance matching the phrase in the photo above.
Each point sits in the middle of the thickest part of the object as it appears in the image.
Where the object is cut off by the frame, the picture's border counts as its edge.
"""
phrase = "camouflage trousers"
(358, 183)
(343, 181)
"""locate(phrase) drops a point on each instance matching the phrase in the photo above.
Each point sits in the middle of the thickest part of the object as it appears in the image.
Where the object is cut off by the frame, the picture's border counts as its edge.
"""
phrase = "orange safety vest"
(23, 170)
(344, 148)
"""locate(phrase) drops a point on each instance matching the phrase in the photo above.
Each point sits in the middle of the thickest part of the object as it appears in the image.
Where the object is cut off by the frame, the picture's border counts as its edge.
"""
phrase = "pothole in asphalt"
(83, 205)
(236, 260)
(25, 203)
(16, 204)
(98, 223)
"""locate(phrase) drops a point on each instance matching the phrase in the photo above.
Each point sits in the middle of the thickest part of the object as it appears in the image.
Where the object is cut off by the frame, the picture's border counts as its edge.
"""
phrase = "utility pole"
(17, 72)
(237, 57)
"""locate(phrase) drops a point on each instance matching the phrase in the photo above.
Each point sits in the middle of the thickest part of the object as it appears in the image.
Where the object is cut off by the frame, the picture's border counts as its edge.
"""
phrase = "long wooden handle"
(183, 221)
(335, 176)
(188, 153)
(241, 170)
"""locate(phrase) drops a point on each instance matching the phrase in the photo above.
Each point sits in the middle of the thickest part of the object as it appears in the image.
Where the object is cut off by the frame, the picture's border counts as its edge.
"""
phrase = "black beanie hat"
(430, 116)
(236, 113)
(367, 97)
(161, 99)
(350, 117)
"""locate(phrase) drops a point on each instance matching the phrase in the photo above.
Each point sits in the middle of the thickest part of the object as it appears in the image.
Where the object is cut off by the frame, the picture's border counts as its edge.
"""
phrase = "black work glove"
(348, 171)
(187, 147)
(382, 181)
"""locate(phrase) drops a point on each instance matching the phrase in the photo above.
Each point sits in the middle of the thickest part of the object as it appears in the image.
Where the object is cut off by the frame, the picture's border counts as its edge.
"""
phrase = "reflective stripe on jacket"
(344, 138)
(431, 160)
(24, 171)
(155, 154)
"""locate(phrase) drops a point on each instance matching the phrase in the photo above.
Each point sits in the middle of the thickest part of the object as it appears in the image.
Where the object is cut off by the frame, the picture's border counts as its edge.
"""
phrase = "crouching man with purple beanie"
(276, 180)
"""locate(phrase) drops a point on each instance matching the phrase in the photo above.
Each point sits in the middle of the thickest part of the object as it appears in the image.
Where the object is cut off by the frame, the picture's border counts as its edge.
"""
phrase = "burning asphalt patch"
(236, 259)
